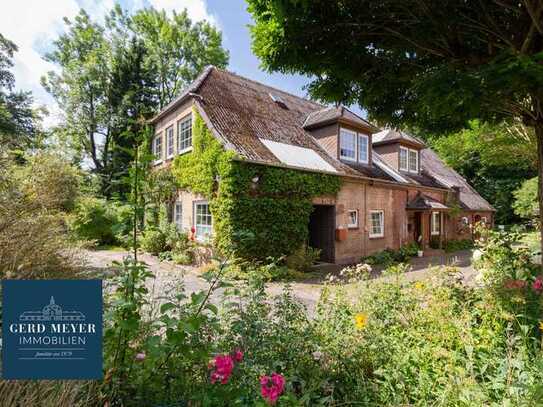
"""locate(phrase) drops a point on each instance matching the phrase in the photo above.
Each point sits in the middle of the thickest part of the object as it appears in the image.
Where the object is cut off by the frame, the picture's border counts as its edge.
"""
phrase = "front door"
(321, 231)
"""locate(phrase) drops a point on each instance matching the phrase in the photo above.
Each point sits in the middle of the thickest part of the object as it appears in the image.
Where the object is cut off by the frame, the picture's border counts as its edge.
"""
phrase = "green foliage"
(495, 160)
(389, 257)
(526, 203)
(100, 221)
(274, 210)
(457, 245)
(113, 76)
(153, 241)
(33, 240)
(19, 122)
(302, 259)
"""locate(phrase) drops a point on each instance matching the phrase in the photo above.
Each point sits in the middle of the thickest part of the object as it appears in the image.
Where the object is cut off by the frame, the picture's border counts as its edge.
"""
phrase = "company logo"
(52, 329)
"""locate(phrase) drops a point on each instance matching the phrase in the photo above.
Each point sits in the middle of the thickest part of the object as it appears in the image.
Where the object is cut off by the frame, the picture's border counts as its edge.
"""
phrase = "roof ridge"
(268, 86)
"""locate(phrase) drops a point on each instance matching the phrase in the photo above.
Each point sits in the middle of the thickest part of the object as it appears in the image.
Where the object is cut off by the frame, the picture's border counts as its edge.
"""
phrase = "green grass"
(531, 239)
(111, 248)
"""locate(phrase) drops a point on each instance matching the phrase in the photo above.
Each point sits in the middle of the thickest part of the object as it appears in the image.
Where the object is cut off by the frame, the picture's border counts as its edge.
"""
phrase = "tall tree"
(19, 125)
(431, 64)
(115, 75)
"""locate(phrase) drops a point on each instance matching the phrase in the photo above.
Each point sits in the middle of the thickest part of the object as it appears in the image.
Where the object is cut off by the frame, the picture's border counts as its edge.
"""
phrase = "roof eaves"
(189, 91)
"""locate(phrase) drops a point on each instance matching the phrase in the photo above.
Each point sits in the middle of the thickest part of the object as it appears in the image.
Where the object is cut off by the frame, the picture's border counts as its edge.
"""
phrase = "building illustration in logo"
(52, 312)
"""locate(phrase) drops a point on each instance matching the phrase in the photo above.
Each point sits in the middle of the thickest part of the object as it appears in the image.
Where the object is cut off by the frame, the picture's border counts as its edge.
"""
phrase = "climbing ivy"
(270, 204)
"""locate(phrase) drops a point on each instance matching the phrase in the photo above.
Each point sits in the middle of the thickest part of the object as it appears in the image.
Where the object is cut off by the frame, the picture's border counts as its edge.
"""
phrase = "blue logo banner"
(52, 329)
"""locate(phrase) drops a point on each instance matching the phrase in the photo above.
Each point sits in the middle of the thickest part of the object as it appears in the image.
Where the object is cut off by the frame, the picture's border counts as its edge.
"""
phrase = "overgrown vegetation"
(389, 257)
(272, 204)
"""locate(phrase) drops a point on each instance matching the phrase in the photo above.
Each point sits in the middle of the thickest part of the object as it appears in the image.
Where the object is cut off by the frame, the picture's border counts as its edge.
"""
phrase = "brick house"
(394, 190)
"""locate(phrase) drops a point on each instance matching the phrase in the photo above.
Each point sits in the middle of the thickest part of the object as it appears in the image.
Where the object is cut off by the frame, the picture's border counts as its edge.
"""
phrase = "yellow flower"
(360, 320)
(541, 326)
(419, 285)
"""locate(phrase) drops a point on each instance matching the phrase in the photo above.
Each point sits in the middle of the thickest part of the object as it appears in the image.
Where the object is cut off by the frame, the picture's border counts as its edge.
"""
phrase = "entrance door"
(321, 231)
(417, 229)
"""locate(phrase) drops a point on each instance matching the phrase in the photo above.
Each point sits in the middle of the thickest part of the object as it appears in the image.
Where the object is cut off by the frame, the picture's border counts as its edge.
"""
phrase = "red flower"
(537, 285)
(238, 355)
(223, 365)
(272, 387)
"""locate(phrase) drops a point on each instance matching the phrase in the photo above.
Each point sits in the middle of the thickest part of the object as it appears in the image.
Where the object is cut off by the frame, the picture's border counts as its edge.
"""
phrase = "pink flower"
(537, 285)
(140, 356)
(272, 387)
(238, 355)
(223, 365)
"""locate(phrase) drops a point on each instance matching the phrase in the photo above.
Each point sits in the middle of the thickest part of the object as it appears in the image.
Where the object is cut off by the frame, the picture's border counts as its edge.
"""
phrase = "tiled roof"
(249, 117)
(333, 113)
(392, 136)
(422, 201)
(436, 168)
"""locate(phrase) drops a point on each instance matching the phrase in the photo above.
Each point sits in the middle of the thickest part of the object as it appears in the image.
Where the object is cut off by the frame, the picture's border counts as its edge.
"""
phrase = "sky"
(34, 24)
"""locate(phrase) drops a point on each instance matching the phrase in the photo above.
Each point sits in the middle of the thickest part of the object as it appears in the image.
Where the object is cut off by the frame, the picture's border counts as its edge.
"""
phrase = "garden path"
(169, 275)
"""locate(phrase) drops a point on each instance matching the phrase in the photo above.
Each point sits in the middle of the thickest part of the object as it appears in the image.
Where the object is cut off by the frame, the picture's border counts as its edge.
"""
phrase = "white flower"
(317, 355)
(477, 254)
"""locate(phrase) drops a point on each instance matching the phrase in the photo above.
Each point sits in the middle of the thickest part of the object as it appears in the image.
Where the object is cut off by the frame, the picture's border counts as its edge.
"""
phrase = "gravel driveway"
(169, 275)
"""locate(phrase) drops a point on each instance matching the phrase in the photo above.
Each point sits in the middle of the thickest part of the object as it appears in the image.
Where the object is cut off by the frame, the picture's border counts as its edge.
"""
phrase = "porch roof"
(423, 202)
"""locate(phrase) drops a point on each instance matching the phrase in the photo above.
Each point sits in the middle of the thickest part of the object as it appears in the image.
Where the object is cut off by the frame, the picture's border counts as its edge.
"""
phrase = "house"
(394, 189)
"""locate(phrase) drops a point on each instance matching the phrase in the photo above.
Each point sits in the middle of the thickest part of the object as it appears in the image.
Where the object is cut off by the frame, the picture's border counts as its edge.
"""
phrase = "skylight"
(277, 99)
(298, 156)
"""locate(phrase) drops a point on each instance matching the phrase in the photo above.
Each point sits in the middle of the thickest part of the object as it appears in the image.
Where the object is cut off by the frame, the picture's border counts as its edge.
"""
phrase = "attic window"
(277, 99)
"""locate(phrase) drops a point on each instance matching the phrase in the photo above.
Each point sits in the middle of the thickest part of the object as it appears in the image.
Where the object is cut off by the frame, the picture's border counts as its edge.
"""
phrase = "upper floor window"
(347, 145)
(353, 146)
(169, 142)
(184, 134)
(157, 147)
(413, 160)
(403, 158)
(363, 150)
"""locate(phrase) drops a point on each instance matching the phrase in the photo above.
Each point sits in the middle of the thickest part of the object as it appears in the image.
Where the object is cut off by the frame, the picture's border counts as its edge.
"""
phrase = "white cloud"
(34, 24)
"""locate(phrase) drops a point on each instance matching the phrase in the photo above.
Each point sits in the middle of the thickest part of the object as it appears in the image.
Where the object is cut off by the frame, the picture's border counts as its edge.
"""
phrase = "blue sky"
(34, 24)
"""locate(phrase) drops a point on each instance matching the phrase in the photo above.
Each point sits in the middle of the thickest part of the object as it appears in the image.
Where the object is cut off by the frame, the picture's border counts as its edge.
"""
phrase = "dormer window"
(347, 145)
(353, 146)
(409, 159)
(413, 160)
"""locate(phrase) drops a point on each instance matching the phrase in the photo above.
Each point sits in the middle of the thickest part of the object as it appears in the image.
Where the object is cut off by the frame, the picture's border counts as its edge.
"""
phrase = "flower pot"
(420, 253)
(341, 234)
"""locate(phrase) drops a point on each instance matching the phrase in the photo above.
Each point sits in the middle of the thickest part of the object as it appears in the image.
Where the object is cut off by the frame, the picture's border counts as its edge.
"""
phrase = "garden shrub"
(274, 204)
(457, 245)
(303, 258)
(93, 219)
(154, 241)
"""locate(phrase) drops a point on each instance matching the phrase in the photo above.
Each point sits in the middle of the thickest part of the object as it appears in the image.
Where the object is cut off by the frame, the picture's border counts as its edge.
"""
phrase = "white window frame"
(363, 136)
(465, 221)
(382, 225)
(195, 206)
(169, 142)
(352, 225)
(434, 223)
(483, 220)
(406, 151)
(158, 156)
(416, 170)
(345, 132)
(178, 214)
(184, 135)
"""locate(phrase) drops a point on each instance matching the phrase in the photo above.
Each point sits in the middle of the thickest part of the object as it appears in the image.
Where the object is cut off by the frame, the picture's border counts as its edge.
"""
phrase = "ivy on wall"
(270, 204)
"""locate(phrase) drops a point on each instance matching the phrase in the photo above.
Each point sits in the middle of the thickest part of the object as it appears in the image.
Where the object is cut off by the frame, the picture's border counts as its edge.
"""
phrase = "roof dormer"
(342, 133)
(399, 150)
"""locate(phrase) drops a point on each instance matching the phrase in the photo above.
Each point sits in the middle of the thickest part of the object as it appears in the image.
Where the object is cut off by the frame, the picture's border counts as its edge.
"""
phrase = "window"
(203, 221)
(352, 222)
(403, 158)
(347, 145)
(465, 221)
(157, 147)
(483, 220)
(184, 134)
(436, 223)
(178, 215)
(377, 224)
(169, 141)
(363, 148)
(413, 160)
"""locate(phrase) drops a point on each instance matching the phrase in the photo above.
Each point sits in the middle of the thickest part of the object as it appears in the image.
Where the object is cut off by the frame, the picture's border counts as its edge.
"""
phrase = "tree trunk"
(539, 136)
